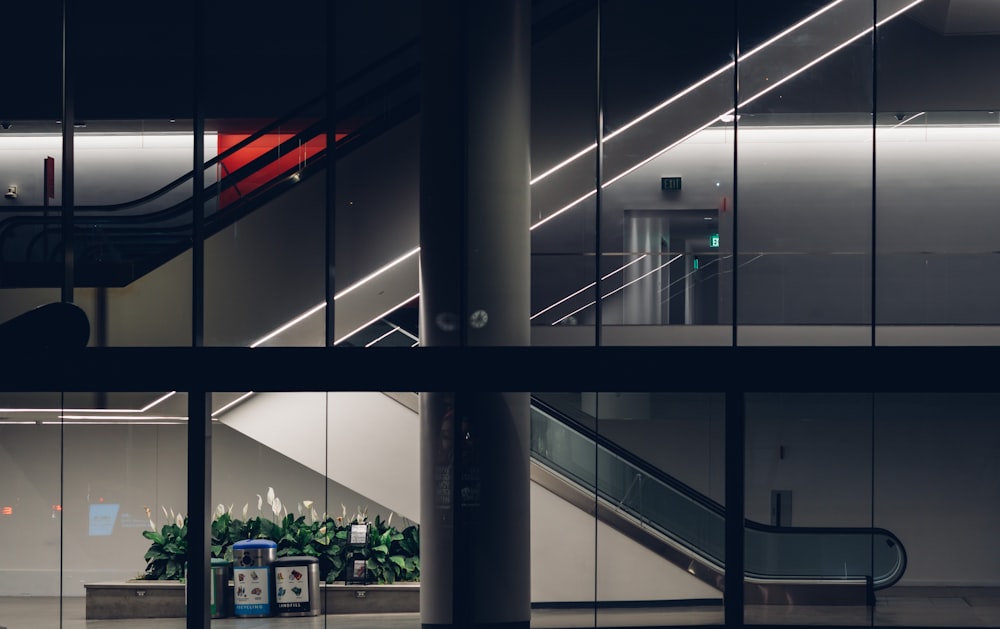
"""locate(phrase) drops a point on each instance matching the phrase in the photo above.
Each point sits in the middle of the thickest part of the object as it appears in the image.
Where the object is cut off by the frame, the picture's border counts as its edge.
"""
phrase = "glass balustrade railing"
(563, 439)
(655, 500)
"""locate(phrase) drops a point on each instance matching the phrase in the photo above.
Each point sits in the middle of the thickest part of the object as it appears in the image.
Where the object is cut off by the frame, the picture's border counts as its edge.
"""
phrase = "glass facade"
(750, 223)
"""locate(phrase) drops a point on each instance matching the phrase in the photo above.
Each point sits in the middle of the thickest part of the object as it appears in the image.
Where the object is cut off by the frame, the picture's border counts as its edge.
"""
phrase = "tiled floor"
(898, 607)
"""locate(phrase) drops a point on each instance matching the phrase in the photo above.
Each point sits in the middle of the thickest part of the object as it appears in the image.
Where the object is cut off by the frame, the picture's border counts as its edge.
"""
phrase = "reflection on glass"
(935, 473)
(31, 507)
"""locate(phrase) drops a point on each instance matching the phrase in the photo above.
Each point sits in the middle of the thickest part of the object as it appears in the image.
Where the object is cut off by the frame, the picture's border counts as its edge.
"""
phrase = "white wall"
(925, 468)
(134, 466)
(108, 167)
(371, 440)
(574, 559)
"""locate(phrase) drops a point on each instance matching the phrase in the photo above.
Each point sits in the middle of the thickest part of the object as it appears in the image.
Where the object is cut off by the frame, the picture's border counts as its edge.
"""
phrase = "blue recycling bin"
(253, 578)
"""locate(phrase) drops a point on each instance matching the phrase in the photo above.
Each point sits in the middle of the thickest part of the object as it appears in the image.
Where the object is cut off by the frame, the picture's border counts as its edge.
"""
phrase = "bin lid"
(249, 544)
(294, 560)
(218, 561)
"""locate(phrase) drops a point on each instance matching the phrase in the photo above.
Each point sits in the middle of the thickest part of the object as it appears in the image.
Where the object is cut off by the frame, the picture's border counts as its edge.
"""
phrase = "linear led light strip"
(588, 286)
(727, 113)
(730, 112)
(393, 329)
(622, 287)
(910, 119)
(695, 86)
(91, 410)
(105, 422)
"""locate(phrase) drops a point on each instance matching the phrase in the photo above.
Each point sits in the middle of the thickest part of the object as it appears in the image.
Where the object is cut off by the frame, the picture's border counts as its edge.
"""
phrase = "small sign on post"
(357, 563)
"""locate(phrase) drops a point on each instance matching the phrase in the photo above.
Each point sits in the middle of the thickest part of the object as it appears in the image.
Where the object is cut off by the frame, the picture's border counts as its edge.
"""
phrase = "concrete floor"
(898, 607)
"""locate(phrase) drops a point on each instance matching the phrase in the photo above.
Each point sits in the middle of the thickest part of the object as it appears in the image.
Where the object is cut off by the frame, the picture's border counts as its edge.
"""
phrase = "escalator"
(784, 565)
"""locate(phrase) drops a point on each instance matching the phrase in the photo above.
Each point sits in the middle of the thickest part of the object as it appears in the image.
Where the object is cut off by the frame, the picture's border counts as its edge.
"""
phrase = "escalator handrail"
(402, 111)
(399, 51)
(546, 26)
(567, 13)
(713, 506)
(120, 233)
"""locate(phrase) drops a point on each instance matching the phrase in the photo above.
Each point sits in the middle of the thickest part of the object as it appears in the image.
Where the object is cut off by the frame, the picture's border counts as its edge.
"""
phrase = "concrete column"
(475, 279)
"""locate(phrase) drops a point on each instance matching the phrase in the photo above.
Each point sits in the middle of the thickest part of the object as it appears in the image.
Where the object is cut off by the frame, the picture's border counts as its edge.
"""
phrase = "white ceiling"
(960, 17)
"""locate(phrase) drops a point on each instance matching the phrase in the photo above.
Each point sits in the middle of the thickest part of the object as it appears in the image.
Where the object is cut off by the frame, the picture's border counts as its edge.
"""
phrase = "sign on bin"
(252, 584)
(296, 581)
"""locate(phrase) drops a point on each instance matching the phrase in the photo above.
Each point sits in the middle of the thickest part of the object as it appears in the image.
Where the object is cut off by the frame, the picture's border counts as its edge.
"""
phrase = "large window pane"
(563, 126)
(31, 505)
(938, 138)
(660, 477)
(85, 477)
(133, 147)
(809, 542)
(935, 484)
(805, 166)
(667, 173)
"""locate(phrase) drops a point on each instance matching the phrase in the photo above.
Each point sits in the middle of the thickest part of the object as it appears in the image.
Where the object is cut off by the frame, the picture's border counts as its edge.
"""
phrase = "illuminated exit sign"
(713, 240)
(670, 183)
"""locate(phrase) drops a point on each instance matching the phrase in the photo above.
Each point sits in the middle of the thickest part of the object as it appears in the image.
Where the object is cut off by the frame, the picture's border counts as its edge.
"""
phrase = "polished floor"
(899, 607)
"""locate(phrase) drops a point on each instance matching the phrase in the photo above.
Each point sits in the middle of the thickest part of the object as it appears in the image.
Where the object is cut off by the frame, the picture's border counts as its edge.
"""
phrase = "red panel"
(236, 190)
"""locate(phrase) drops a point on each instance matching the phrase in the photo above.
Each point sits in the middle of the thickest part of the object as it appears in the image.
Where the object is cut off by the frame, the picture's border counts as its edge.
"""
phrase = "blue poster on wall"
(102, 518)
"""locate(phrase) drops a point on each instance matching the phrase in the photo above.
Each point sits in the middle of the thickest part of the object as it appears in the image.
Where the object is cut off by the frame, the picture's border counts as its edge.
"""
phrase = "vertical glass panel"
(667, 173)
(378, 165)
(811, 555)
(564, 566)
(804, 203)
(132, 76)
(937, 139)
(31, 507)
(297, 469)
(264, 107)
(660, 477)
(936, 480)
(265, 244)
(30, 267)
(87, 479)
(563, 162)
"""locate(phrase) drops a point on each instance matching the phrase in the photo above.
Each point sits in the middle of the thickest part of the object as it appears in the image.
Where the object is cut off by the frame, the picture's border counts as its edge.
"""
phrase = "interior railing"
(656, 500)
(565, 440)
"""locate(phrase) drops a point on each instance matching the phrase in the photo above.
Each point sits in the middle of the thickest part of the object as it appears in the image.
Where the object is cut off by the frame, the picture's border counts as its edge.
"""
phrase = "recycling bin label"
(292, 587)
(251, 592)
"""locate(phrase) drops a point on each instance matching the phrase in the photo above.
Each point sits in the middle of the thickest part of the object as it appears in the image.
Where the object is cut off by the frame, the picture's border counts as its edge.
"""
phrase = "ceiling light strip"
(374, 319)
(377, 272)
(910, 119)
(138, 418)
(698, 84)
(158, 400)
(70, 410)
(228, 406)
(292, 323)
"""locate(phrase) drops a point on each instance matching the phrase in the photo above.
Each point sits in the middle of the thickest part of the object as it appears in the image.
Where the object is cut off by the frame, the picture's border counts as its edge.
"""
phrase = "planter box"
(135, 599)
(165, 599)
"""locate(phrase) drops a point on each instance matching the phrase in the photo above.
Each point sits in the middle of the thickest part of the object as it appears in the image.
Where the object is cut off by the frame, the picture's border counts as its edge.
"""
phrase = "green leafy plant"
(167, 554)
(388, 559)
(390, 555)
(226, 531)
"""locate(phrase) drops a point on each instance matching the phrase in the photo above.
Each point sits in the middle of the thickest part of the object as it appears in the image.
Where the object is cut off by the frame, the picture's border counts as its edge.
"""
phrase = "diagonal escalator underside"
(784, 565)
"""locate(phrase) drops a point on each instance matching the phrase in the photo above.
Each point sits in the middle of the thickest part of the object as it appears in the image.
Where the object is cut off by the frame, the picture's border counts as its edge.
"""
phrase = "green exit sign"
(670, 183)
(713, 240)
